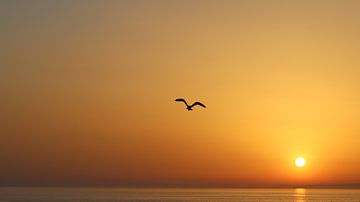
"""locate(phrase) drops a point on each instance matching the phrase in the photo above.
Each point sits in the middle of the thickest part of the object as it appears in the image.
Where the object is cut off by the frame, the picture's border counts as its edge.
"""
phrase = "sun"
(300, 162)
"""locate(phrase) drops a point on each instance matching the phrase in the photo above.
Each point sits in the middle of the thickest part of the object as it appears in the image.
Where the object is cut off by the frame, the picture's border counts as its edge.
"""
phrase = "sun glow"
(300, 162)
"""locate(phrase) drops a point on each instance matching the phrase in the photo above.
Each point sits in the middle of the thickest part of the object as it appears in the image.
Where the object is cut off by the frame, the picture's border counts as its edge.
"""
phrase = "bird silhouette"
(189, 107)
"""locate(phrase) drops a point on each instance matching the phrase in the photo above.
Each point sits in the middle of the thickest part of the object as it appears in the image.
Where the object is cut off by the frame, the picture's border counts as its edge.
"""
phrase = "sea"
(209, 195)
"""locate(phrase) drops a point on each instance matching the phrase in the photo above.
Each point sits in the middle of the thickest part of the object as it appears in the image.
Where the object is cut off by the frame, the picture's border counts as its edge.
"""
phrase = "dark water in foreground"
(121, 194)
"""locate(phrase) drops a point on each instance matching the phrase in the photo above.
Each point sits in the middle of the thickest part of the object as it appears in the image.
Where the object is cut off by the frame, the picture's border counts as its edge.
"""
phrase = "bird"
(189, 107)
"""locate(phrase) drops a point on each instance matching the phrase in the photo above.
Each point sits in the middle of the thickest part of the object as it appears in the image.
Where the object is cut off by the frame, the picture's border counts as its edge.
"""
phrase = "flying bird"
(189, 107)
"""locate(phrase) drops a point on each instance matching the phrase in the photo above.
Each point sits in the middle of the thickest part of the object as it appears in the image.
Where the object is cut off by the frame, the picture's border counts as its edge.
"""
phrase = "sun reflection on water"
(300, 195)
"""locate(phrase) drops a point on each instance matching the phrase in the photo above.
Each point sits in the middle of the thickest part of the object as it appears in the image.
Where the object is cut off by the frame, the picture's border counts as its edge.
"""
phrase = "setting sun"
(300, 162)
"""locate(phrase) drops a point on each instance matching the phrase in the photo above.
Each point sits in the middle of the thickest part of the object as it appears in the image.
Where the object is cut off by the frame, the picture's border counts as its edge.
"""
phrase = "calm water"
(120, 194)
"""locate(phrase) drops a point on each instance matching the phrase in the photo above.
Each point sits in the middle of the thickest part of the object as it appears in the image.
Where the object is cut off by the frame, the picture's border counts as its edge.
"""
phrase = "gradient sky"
(87, 92)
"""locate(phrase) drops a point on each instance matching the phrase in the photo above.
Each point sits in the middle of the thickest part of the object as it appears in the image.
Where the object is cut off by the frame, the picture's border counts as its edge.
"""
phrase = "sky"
(87, 93)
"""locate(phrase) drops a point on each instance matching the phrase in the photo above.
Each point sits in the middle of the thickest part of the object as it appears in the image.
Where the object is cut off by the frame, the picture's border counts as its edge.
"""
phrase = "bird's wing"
(198, 103)
(182, 100)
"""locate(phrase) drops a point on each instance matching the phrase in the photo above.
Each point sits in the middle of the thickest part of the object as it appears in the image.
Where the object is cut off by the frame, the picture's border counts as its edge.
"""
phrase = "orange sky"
(87, 92)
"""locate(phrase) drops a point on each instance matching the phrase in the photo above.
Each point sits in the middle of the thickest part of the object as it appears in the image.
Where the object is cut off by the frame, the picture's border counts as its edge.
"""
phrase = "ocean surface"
(122, 194)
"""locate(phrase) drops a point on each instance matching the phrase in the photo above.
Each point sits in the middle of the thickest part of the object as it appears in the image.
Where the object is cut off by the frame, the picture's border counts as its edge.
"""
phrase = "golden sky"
(87, 92)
